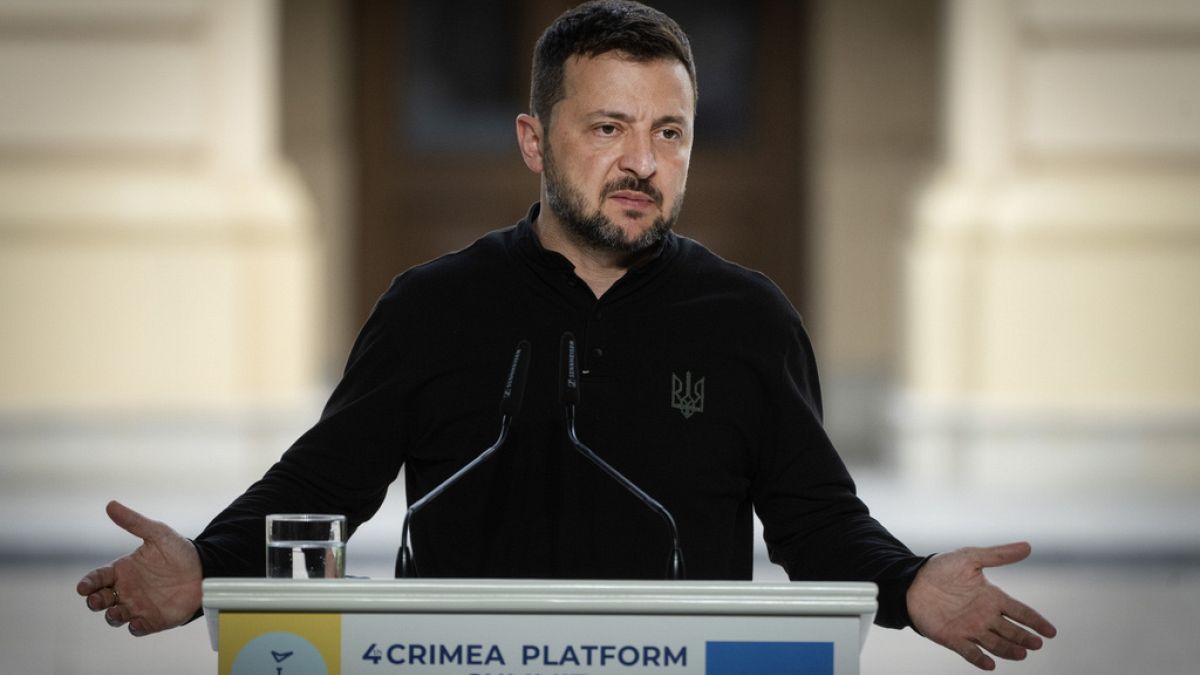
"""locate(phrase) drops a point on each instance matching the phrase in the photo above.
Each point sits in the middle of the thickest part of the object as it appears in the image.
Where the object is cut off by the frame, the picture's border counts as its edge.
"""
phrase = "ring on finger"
(116, 596)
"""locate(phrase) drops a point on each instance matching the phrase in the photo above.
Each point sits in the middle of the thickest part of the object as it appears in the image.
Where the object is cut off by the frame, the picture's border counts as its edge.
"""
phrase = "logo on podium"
(279, 654)
(280, 644)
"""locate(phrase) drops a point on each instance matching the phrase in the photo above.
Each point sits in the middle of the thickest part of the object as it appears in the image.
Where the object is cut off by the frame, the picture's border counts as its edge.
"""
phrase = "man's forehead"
(622, 55)
(579, 67)
(577, 62)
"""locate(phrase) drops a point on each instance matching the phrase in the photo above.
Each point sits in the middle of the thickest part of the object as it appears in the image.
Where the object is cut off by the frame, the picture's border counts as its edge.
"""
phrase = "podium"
(536, 627)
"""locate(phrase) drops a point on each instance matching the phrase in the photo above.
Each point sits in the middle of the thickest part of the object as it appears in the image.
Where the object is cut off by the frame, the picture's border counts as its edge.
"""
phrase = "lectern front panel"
(537, 628)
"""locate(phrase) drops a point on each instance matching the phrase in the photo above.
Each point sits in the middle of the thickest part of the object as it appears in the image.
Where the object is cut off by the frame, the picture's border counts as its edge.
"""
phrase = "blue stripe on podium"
(768, 658)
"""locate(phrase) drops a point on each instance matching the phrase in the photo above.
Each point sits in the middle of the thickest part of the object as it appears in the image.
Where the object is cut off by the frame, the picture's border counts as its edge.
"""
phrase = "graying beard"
(597, 231)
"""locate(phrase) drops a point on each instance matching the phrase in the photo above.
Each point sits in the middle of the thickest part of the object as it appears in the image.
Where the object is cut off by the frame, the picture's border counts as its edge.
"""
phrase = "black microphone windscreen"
(514, 386)
(568, 370)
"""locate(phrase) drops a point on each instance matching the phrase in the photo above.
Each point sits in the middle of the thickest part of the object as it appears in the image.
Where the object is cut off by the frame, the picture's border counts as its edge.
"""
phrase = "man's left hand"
(952, 603)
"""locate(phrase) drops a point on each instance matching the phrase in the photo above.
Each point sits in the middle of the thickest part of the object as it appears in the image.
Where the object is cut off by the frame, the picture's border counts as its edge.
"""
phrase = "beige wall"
(155, 250)
(159, 259)
(1055, 267)
(316, 82)
(873, 143)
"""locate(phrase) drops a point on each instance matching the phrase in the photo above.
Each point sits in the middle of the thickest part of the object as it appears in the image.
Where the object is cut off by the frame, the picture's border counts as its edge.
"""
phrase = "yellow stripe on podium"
(296, 644)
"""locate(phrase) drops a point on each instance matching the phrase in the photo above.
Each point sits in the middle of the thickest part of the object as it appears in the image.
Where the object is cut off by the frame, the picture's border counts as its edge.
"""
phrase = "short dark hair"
(639, 32)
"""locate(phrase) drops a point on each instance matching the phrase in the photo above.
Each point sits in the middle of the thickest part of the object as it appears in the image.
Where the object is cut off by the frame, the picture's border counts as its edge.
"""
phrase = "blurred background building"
(988, 212)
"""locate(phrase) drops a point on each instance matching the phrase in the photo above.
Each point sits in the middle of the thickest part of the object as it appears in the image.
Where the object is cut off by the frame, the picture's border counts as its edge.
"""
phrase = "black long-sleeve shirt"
(698, 383)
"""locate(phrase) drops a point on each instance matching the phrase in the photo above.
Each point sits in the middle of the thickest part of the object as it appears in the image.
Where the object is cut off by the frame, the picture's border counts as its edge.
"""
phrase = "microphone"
(510, 405)
(568, 391)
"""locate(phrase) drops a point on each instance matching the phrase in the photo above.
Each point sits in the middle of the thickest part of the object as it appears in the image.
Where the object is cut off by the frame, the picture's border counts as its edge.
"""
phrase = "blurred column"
(1054, 273)
(156, 253)
(872, 142)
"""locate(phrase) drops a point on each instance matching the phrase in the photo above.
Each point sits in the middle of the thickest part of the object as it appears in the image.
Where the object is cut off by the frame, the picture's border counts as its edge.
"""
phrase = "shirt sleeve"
(815, 525)
(343, 464)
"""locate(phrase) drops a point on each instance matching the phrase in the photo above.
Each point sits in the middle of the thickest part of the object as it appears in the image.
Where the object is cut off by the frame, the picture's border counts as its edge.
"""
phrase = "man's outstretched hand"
(952, 603)
(154, 588)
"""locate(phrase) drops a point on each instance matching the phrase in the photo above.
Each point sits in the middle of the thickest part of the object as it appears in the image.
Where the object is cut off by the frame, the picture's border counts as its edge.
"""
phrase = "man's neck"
(599, 269)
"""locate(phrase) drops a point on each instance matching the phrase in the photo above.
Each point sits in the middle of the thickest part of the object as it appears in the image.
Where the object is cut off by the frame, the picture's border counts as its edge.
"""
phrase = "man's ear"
(529, 139)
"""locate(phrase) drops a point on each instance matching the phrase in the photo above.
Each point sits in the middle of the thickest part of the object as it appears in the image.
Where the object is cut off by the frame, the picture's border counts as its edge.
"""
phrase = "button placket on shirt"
(594, 341)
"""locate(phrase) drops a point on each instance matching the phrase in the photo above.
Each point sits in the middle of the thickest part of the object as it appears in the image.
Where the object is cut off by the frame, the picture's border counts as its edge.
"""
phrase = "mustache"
(635, 184)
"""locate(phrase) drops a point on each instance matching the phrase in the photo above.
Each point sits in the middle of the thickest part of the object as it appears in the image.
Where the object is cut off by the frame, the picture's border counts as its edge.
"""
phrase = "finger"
(101, 577)
(137, 628)
(98, 601)
(1015, 634)
(1024, 614)
(102, 599)
(133, 522)
(974, 655)
(106, 597)
(1007, 554)
(116, 616)
(1001, 647)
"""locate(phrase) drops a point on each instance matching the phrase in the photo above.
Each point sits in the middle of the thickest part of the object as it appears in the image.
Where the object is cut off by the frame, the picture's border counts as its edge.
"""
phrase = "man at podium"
(690, 375)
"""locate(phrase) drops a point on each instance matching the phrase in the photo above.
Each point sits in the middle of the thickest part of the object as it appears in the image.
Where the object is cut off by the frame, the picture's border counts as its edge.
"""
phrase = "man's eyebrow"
(671, 119)
(626, 117)
(611, 114)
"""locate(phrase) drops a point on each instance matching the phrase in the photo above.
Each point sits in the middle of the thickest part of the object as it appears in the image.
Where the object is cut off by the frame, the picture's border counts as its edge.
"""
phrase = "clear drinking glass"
(306, 546)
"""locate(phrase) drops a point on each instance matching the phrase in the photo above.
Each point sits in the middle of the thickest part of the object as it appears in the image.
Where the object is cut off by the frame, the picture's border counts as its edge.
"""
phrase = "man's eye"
(671, 134)
(607, 129)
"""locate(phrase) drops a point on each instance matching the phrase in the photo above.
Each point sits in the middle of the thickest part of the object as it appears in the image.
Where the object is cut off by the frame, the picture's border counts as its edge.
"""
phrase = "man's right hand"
(154, 588)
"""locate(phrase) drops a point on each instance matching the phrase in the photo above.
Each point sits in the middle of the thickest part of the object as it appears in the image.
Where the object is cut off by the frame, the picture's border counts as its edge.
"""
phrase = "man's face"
(617, 151)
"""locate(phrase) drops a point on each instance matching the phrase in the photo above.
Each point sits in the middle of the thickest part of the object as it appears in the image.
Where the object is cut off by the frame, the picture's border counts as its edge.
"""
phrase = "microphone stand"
(510, 405)
(569, 393)
(405, 565)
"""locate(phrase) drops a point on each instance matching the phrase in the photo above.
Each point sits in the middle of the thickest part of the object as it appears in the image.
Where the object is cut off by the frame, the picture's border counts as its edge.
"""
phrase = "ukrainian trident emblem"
(686, 397)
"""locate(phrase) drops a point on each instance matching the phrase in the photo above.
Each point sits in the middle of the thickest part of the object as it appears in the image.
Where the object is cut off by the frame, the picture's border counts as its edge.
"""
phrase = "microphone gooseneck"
(569, 395)
(510, 405)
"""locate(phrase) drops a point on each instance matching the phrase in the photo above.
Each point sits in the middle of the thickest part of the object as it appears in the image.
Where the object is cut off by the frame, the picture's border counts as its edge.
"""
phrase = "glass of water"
(306, 546)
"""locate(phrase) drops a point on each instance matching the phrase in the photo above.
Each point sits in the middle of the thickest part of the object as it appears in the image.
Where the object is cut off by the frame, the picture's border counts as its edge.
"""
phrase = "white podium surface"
(473, 627)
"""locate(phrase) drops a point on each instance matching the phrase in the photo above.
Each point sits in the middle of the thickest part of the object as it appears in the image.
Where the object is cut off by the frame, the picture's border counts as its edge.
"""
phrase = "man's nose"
(638, 157)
